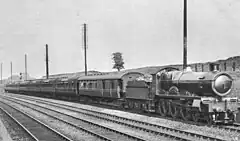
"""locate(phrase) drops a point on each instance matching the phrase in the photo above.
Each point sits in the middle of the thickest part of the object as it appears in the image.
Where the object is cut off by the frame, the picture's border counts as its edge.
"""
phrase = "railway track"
(234, 128)
(35, 129)
(129, 123)
(15, 129)
(99, 130)
(112, 107)
(236, 124)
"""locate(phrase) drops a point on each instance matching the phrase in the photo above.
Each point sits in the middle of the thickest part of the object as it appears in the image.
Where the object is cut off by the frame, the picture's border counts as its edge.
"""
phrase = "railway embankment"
(4, 135)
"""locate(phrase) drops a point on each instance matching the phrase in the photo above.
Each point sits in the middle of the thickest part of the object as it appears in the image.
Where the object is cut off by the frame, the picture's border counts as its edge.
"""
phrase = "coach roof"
(107, 76)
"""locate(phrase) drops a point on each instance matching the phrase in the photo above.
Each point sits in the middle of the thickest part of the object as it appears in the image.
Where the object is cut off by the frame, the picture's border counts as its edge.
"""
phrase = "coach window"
(66, 85)
(96, 84)
(234, 66)
(90, 85)
(112, 84)
(107, 84)
(99, 84)
(84, 84)
(80, 85)
(103, 84)
(225, 66)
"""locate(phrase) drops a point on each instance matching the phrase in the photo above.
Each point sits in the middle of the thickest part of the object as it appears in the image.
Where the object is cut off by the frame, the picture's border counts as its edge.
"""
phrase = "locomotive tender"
(170, 92)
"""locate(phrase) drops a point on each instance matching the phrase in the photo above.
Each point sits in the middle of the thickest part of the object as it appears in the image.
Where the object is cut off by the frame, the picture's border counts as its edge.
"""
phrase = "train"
(168, 91)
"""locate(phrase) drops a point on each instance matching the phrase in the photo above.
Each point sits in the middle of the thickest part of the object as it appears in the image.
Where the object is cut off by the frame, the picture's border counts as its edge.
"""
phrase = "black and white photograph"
(119, 70)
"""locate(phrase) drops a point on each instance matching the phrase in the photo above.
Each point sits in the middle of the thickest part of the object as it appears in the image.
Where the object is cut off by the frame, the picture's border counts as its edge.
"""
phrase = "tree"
(118, 61)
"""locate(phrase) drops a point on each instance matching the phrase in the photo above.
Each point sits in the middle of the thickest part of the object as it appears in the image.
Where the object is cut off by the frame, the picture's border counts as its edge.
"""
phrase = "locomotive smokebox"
(222, 84)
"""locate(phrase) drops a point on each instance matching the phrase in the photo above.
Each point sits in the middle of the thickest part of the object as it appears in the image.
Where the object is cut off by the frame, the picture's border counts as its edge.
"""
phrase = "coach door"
(77, 89)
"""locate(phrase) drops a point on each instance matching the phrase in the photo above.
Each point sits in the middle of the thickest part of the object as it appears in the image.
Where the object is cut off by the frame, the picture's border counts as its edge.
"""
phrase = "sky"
(146, 32)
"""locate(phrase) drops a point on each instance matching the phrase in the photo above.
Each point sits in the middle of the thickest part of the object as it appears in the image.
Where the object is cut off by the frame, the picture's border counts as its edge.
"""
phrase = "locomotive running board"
(177, 97)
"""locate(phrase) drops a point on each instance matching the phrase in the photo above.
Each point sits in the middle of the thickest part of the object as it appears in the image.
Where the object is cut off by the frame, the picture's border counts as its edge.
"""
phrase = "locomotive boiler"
(216, 84)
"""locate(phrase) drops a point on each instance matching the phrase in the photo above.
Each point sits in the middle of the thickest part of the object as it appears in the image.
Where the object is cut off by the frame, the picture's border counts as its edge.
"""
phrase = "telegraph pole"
(11, 70)
(47, 73)
(25, 66)
(185, 34)
(85, 45)
(1, 73)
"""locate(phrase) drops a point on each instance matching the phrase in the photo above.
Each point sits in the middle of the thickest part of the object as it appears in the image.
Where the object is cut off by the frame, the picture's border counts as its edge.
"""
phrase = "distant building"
(230, 64)
(69, 75)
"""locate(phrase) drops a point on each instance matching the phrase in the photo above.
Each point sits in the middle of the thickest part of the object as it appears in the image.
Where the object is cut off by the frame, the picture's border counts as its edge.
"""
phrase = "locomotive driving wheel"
(164, 108)
(173, 110)
(209, 119)
(136, 105)
(195, 116)
(185, 113)
(130, 105)
(158, 107)
(161, 108)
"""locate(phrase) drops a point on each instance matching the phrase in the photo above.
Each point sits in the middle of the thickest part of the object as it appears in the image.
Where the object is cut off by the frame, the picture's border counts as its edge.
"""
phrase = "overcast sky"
(147, 32)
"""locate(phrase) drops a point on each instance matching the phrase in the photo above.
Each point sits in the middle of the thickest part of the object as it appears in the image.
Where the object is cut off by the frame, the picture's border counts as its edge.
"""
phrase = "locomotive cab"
(213, 67)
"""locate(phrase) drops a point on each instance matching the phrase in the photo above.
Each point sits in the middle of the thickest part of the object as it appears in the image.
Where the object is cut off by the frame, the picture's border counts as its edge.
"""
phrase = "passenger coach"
(106, 87)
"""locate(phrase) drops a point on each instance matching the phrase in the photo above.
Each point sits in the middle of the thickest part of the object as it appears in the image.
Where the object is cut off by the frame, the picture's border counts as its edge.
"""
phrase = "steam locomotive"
(197, 96)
